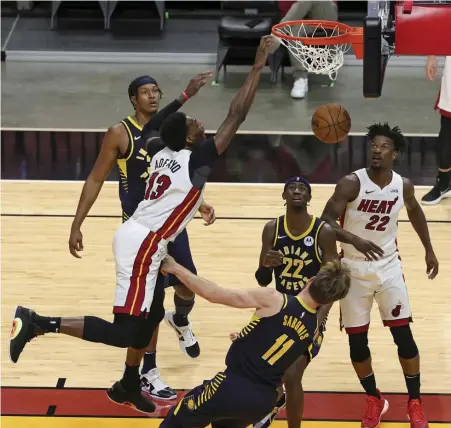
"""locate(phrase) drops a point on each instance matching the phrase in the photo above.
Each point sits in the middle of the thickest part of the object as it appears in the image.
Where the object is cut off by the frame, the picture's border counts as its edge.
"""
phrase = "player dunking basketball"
(294, 247)
(123, 144)
(369, 201)
(180, 168)
(280, 331)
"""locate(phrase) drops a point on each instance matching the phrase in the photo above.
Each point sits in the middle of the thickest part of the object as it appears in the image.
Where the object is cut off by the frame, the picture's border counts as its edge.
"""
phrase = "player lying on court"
(180, 168)
(294, 246)
(125, 145)
(368, 202)
(281, 330)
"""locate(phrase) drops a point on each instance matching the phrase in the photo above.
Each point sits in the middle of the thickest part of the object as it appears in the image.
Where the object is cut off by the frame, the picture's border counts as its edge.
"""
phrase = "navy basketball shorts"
(226, 401)
(181, 251)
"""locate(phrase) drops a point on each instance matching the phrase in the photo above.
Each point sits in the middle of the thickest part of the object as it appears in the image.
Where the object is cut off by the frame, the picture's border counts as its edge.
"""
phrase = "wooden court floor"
(39, 272)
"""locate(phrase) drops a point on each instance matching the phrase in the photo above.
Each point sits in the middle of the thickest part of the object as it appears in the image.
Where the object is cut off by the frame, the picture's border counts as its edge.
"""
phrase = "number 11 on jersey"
(280, 347)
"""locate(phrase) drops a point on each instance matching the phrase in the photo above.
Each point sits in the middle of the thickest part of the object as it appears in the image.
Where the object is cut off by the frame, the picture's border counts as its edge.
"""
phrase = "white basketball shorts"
(381, 280)
(138, 253)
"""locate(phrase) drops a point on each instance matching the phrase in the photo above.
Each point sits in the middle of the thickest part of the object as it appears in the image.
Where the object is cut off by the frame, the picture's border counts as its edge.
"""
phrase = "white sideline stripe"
(219, 184)
(243, 132)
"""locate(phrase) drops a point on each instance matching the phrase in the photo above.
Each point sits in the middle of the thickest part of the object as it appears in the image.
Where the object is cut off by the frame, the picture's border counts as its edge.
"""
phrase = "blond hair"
(331, 284)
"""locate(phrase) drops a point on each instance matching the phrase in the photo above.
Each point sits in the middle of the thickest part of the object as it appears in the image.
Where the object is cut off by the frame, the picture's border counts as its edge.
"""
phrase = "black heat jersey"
(267, 346)
(134, 168)
(301, 256)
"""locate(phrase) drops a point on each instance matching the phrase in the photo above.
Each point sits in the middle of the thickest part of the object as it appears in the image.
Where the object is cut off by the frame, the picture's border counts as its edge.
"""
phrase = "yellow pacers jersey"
(134, 168)
(301, 256)
(267, 346)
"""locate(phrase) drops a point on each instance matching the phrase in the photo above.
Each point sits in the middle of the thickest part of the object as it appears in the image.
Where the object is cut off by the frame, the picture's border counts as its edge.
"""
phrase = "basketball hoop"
(320, 46)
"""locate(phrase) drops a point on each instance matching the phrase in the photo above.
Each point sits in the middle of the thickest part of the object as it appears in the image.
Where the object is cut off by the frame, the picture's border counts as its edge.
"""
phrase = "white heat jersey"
(373, 215)
(170, 200)
(444, 101)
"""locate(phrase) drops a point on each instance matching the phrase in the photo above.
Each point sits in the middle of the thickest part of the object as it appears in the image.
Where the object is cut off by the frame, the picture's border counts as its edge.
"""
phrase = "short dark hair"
(174, 131)
(395, 134)
(331, 284)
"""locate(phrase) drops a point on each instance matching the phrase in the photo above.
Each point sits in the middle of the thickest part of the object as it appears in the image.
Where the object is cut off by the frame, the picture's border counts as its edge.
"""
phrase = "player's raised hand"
(266, 44)
(369, 249)
(431, 265)
(431, 67)
(207, 212)
(197, 82)
(233, 336)
(273, 259)
(75, 242)
(168, 265)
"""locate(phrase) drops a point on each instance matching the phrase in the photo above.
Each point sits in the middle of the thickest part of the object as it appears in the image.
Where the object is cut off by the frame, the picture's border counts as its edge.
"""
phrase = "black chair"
(78, 15)
(136, 18)
(242, 25)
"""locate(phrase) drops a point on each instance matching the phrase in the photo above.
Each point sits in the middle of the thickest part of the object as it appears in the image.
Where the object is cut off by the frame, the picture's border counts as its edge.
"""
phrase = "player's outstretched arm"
(268, 257)
(347, 190)
(157, 119)
(259, 298)
(242, 101)
(419, 223)
(91, 189)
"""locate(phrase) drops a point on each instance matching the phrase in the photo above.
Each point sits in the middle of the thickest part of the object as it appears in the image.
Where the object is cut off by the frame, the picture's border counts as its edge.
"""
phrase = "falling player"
(369, 201)
(294, 246)
(280, 331)
(124, 145)
(180, 168)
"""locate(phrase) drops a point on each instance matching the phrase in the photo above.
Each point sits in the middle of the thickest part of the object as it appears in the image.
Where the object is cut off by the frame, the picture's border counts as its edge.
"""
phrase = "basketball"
(331, 123)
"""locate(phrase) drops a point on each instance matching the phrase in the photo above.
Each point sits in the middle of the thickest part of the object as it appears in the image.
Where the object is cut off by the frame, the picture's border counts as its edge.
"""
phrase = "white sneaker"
(300, 88)
(187, 340)
(152, 384)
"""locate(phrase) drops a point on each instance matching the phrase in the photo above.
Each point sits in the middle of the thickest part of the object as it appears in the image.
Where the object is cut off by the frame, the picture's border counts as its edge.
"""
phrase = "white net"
(318, 59)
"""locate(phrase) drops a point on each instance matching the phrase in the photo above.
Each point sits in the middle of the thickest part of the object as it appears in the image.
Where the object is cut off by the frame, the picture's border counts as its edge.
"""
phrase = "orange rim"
(352, 35)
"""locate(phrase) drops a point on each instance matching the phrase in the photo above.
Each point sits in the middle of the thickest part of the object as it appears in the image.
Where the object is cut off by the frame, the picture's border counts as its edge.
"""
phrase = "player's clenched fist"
(273, 259)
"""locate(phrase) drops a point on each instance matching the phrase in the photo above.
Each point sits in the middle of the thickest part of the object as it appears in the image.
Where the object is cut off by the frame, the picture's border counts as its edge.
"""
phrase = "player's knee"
(183, 293)
(358, 347)
(407, 348)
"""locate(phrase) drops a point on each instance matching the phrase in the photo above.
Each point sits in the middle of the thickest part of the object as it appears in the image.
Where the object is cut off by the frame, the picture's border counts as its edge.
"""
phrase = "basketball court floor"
(60, 381)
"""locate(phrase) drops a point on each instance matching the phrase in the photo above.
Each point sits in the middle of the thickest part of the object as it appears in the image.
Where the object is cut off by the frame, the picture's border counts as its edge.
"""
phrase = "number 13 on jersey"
(162, 182)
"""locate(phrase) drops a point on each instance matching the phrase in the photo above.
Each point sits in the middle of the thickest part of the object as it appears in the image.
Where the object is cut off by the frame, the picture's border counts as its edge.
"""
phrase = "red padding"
(423, 30)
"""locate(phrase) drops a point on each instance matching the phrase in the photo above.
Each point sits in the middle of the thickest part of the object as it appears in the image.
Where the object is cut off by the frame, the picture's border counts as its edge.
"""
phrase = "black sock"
(182, 309)
(413, 385)
(48, 324)
(149, 362)
(131, 381)
(369, 385)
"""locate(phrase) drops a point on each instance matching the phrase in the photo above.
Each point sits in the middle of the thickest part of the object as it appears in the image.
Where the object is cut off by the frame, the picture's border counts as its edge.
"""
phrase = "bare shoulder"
(271, 302)
(116, 134)
(348, 187)
(270, 226)
(408, 187)
(327, 233)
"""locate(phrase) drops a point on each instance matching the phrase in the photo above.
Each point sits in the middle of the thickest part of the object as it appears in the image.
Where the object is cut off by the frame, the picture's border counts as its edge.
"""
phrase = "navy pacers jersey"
(134, 167)
(301, 256)
(267, 346)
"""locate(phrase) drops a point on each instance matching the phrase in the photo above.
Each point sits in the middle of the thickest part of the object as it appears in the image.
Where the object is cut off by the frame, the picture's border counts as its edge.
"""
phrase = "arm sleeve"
(157, 119)
(201, 162)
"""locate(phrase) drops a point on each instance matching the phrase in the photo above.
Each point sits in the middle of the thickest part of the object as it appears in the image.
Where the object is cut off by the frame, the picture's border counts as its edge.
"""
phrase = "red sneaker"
(375, 408)
(416, 414)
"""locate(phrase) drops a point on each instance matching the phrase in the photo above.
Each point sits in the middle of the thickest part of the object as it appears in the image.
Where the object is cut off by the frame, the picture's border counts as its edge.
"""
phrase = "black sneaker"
(22, 331)
(134, 399)
(436, 194)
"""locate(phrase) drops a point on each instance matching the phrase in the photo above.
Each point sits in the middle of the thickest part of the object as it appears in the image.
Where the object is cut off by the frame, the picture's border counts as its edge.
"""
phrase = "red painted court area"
(325, 406)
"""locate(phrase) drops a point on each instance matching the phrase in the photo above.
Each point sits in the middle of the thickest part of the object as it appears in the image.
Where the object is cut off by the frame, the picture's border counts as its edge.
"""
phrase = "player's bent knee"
(184, 292)
(358, 347)
(407, 348)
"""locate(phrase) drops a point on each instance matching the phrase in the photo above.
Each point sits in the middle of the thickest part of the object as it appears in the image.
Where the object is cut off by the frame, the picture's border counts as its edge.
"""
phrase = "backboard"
(417, 28)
